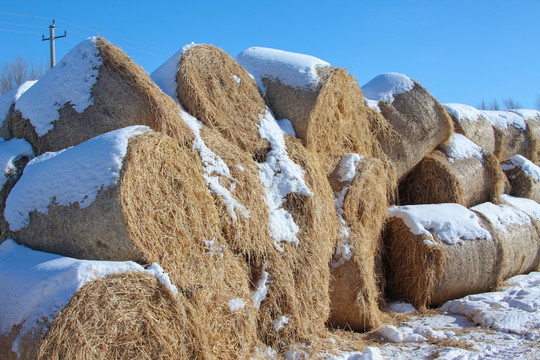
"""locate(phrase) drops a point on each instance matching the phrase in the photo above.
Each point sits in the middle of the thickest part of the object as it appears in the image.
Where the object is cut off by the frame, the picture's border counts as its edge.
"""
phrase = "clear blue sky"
(461, 51)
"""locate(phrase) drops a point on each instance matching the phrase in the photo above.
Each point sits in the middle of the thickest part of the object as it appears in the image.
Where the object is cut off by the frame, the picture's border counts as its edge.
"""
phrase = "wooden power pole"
(51, 39)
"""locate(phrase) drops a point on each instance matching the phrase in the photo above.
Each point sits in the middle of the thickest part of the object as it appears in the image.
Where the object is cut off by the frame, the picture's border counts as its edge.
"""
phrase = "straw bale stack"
(95, 89)
(517, 236)
(418, 122)
(14, 155)
(354, 291)
(435, 253)
(158, 210)
(524, 177)
(458, 172)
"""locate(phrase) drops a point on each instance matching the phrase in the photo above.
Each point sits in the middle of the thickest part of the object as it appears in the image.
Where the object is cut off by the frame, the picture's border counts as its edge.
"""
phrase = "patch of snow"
(214, 168)
(11, 151)
(407, 334)
(70, 81)
(502, 216)
(240, 168)
(374, 104)
(390, 333)
(347, 167)
(402, 307)
(515, 308)
(262, 289)
(237, 79)
(157, 271)
(528, 114)
(528, 206)
(287, 127)
(456, 354)
(370, 353)
(236, 304)
(280, 323)
(384, 87)
(213, 249)
(527, 166)
(451, 222)
(280, 176)
(11, 97)
(504, 119)
(295, 70)
(463, 112)
(73, 175)
(459, 147)
(165, 75)
(41, 284)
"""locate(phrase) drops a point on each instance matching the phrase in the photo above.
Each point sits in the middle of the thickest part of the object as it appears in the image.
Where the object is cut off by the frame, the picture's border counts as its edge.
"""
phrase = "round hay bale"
(324, 104)
(159, 210)
(517, 235)
(524, 177)
(7, 103)
(361, 202)
(95, 89)
(460, 172)
(14, 155)
(418, 121)
(434, 253)
(221, 94)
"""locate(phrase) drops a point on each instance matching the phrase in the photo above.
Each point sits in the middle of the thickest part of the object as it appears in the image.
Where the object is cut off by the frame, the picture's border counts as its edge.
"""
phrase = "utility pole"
(51, 38)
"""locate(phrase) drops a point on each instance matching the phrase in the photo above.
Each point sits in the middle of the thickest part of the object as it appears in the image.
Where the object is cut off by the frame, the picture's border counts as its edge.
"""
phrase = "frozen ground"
(504, 324)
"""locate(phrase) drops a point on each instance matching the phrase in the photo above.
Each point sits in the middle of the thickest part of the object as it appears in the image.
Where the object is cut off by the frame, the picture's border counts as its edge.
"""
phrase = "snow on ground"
(385, 87)
(459, 147)
(295, 70)
(451, 222)
(70, 81)
(527, 166)
(68, 176)
(41, 284)
(504, 324)
(11, 151)
(11, 98)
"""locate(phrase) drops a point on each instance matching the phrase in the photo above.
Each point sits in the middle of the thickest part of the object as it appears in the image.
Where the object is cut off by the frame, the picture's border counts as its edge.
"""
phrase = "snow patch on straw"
(11, 151)
(70, 81)
(280, 176)
(459, 147)
(11, 98)
(527, 166)
(384, 87)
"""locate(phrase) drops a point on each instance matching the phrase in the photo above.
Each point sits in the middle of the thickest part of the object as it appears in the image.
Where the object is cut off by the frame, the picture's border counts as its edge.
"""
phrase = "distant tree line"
(15, 72)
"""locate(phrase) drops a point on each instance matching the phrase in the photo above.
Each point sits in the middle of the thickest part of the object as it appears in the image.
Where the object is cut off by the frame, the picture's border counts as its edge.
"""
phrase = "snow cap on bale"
(503, 133)
(524, 177)
(417, 122)
(459, 171)
(517, 238)
(217, 91)
(42, 285)
(94, 89)
(431, 249)
(359, 186)
(14, 154)
(6, 105)
(106, 210)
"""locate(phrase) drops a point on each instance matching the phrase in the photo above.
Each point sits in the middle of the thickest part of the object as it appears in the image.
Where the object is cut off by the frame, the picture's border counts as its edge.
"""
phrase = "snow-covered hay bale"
(96, 88)
(7, 102)
(323, 103)
(136, 195)
(418, 122)
(59, 307)
(458, 172)
(502, 133)
(532, 118)
(524, 177)
(14, 155)
(434, 253)
(517, 237)
(360, 196)
(218, 92)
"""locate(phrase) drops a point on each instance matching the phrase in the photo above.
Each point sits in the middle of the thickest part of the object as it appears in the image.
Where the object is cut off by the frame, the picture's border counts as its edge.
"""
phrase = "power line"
(31, 26)
(24, 15)
(21, 32)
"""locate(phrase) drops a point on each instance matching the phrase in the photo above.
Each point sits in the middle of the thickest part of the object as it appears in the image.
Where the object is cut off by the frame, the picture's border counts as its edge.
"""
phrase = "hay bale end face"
(460, 172)
(360, 191)
(154, 207)
(95, 89)
(524, 177)
(418, 123)
(434, 253)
